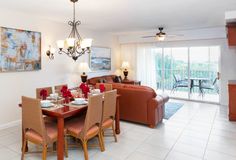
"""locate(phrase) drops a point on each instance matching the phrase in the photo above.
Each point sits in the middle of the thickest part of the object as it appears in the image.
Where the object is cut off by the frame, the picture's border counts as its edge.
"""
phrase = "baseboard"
(10, 124)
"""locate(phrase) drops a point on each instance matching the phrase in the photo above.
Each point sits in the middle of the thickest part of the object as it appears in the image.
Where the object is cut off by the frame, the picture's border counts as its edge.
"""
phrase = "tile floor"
(196, 132)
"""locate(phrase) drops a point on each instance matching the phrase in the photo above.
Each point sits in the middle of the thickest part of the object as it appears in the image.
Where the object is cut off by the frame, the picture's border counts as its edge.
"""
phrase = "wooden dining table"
(67, 111)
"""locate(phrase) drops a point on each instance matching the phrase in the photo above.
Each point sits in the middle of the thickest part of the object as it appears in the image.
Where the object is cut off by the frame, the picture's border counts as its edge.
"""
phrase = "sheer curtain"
(146, 71)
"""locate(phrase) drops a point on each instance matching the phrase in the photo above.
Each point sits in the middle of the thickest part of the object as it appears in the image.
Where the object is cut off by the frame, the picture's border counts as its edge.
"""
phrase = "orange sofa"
(139, 104)
(101, 79)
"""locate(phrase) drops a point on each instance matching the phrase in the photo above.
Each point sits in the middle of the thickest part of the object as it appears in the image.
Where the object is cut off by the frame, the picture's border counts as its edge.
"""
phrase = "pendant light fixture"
(74, 46)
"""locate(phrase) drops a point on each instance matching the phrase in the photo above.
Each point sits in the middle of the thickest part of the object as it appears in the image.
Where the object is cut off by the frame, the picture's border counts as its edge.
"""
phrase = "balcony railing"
(168, 81)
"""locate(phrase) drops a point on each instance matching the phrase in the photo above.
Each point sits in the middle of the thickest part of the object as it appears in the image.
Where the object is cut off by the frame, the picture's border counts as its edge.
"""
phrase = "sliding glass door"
(176, 72)
(188, 72)
(204, 71)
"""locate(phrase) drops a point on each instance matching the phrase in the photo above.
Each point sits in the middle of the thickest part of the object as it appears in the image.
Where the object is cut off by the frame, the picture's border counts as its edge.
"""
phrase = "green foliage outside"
(180, 67)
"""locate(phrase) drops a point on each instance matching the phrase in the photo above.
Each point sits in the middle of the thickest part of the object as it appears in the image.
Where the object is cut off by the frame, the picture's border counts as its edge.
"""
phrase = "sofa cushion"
(93, 81)
(108, 79)
(145, 88)
(101, 80)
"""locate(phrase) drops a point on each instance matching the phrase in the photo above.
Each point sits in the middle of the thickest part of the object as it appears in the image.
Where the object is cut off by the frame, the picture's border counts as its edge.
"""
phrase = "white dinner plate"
(79, 103)
(47, 105)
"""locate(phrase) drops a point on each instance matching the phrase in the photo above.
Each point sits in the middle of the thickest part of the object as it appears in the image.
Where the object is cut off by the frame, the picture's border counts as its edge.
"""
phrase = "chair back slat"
(94, 113)
(109, 106)
(32, 117)
(177, 77)
(108, 87)
(38, 90)
(59, 87)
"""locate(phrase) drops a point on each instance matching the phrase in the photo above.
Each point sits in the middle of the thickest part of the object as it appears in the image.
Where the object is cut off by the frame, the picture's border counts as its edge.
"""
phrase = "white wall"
(230, 16)
(227, 61)
(61, 70)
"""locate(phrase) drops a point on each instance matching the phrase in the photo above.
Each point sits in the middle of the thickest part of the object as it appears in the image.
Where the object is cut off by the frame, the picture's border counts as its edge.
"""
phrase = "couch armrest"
(164, 97)
(155, 102)
(155, 111)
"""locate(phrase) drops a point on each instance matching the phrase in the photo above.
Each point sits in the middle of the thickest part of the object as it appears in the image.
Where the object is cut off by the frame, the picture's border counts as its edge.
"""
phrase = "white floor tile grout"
(212, 125)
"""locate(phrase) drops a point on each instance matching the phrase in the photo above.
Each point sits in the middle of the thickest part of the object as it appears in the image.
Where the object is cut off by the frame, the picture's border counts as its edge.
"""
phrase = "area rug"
(171, 108)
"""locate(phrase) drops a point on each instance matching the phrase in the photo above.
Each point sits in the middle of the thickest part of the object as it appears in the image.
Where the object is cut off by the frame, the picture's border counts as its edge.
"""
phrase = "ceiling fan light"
(161, 38)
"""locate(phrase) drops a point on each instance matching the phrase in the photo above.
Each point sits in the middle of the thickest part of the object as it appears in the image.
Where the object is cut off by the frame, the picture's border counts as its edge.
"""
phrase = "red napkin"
(102, 88)
(43, 93)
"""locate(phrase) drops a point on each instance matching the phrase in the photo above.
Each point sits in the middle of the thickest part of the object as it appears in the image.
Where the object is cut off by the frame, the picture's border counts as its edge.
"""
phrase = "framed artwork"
(20, 50)
(100, 59)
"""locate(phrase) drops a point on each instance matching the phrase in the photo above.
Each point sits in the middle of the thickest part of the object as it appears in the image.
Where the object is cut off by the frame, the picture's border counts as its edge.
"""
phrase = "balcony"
(166, 82)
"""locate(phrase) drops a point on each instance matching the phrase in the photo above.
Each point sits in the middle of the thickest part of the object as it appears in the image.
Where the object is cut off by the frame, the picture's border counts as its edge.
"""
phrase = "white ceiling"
(129, 15)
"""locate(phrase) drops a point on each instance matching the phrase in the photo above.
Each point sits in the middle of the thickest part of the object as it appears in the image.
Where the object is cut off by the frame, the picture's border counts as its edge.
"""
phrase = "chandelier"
(74, 44)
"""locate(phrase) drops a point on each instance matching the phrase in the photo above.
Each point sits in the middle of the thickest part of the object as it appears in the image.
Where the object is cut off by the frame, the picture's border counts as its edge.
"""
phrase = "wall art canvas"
(100, 59)
(20, 50)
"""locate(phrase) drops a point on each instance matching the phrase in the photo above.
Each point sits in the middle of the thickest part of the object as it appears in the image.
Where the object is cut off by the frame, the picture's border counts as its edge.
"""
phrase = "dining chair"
(85, 128)
(59, 87)
(35, 129)
(109, 111)
(108, 86)
(209, 85)
(179, 82)
(38, 90)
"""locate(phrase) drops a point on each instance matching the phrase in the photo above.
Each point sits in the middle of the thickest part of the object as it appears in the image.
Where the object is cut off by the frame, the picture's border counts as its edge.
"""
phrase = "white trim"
(10, 124)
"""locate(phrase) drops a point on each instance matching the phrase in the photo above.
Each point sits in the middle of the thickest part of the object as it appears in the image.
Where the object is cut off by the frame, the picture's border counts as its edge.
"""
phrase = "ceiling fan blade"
(148, 36)
(174, 35)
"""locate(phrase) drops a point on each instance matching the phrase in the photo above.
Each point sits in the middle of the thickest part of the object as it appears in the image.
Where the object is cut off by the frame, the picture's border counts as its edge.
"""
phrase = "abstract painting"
(20, 50)
(100, 59)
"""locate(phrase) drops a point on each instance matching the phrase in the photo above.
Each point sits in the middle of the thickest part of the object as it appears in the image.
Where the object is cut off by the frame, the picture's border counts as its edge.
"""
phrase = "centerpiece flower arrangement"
(43, 94)
(65, 92)
(85, 89)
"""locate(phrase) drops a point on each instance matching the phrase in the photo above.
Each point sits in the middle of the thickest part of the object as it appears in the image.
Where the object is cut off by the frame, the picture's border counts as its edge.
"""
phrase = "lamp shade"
(60, 44)
(86, 43)
(70, 42)
(52, 50)
(83, 67)
(125, 65)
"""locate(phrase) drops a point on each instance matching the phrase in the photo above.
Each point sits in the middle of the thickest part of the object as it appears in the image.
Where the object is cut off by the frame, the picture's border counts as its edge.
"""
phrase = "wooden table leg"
(117, 118)
(60, 138)
(23, 138)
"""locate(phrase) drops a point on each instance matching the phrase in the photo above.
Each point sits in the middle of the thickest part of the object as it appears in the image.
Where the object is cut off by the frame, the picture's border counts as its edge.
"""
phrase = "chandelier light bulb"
(86, 43)
(70, 42)
(60, 44)
(52, 50)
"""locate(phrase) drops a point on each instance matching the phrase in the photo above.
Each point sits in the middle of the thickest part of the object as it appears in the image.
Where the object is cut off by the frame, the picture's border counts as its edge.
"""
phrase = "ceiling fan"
(160, 36)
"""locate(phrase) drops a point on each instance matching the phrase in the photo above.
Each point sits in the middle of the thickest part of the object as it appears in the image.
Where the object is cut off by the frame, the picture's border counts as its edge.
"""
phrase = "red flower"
(85, 89)
(102, 88)
(64, 89)
(82, 86)
(43, 93)
(66, 94)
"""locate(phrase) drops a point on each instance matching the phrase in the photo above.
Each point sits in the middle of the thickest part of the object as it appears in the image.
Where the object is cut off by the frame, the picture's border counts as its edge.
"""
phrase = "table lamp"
(125, 66)
(83, 67)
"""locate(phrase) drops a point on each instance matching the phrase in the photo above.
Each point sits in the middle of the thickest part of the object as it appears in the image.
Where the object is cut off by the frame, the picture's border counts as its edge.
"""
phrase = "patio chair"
(179, 82)
(209, 85)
